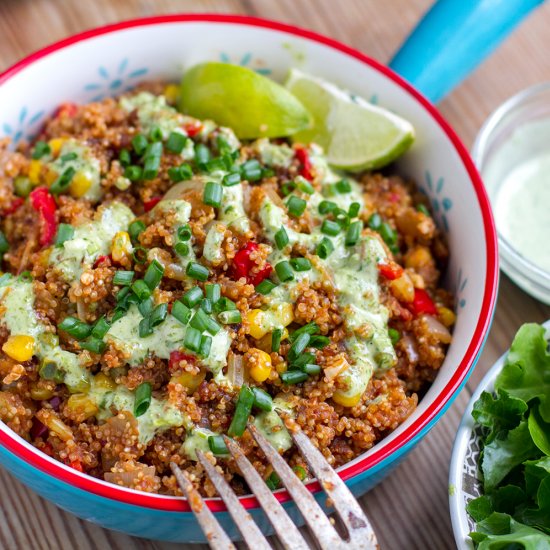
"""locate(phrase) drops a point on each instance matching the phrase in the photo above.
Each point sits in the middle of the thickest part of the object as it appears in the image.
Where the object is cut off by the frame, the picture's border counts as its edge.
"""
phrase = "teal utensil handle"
(452, 38)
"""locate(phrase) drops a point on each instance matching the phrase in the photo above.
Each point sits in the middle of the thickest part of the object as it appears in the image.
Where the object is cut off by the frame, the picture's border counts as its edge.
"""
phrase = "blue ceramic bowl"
(109, 60)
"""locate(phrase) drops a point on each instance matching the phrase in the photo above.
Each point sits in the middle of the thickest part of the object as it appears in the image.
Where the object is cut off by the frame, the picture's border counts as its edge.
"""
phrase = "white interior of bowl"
(110, 63)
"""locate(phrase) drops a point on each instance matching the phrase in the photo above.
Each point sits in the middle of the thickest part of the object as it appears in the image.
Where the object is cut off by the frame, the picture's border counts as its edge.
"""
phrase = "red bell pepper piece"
(44, 203)
(422, 303)
(76, 465)
(66, 109)
(177, 356)
(390, 271)
(101, 259)
(150, 204)
(242, 265)
(15, 204)
(306, 171)
(192, 128)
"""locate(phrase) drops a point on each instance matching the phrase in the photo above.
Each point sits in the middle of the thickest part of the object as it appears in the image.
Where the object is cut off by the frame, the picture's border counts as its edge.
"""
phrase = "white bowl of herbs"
(499, 485)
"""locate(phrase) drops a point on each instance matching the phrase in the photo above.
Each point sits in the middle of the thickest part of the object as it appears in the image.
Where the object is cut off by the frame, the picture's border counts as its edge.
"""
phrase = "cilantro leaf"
(526, 373)
(501, 455)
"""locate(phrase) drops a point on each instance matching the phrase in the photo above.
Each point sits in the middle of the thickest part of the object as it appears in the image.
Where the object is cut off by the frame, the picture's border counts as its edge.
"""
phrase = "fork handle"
(453, 38)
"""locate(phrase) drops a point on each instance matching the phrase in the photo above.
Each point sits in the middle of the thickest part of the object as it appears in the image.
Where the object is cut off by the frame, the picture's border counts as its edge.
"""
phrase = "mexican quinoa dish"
(164, 283)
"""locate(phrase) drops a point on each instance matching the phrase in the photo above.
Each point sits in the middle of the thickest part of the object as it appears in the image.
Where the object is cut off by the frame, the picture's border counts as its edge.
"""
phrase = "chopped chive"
(217, 445)
(325, 248)
(139, 254)
(176, 142)
(212, 326)
(124, 157)
(231, 317)
(123, 278)
(375, 221)
(302, 360)
(75, 327)
(276, 337)
(353, 210)
(262, 400)
(231, 179)
(325, 207)
(192, 340)
(151, 167)
(22, 186)
(41, 148)
(68, 157)
(224, 304)
(133, 172)
(213, 194)
(298, 346)
(215, 165)
(388, 234)
(251, 164)
(145, 307)
(180, 173)
(251, 170)
(181, 312)
(101, 328)
(342, 217)
(395, 335)
(122, 294)
(65, 232)
(296, 206)
(202, 155)
(300, 472)
(265, 287)
(139, 144)
(118, 313)
(184, 232)
(213, 292)
(135, 229)
(330, 228)
(300, 264)
(284, 271)
(304, 186)
(223, 145)
(192, 297)
(145, 328)
(95, 345)
(343, 186)
(311, 329)
(293, 377)
(63, 181)
(318, 341)
(199, 320)
(141, 289)
(273, 482)
(182, 249)
(158, 315)
(354, 232)
(287, 188)
(205, 346)
(155, 134)
(281, 238)
(206, 305)
(422, 208)
(142, 399)
(154, 274)
(311, 369)
(243, 408)
(197, 271)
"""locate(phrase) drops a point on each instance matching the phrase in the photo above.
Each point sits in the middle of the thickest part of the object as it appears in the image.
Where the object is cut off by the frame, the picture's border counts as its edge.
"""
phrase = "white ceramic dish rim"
(373, 460)
(457, 504)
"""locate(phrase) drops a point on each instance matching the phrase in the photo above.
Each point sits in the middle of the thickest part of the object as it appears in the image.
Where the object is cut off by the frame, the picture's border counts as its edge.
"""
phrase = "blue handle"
(452, 38)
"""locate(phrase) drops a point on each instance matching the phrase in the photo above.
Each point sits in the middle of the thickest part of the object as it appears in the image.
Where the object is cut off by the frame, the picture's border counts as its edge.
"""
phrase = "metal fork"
(360, 534)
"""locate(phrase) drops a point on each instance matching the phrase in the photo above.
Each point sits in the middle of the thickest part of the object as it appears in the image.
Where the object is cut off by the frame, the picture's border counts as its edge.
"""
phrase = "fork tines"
(360, 534)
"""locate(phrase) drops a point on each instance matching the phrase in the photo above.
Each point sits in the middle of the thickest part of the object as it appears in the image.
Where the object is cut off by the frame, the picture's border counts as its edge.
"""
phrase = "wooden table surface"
(410, 508)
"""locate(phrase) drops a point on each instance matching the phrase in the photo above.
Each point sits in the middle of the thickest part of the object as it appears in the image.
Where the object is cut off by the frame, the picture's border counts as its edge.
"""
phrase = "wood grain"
(410, 508)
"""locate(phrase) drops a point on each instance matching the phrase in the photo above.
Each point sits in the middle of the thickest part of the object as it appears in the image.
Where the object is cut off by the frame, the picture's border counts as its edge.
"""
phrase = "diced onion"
(437, 330)
(409, 347)
(235, 369)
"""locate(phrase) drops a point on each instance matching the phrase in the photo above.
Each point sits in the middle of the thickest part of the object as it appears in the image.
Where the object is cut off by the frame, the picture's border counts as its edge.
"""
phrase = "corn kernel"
(171, 93)
(81, 406)
(283, 314)
(50, 176)
(122, 246)
(19, 347)
(402, 288)
(256, 323)
(56, 144)
(189, 381)
(259, 364)
(418, 258)
(446, 316)
(80, 184)
(346, 400)
(104, 382)
(40, 392)
(35, 168)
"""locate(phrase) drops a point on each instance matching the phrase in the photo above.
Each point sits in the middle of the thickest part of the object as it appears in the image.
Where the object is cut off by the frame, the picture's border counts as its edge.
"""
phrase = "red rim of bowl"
(98, 487)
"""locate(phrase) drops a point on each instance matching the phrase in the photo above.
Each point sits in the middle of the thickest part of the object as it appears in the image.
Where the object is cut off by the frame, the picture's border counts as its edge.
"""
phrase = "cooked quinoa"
(154, 266)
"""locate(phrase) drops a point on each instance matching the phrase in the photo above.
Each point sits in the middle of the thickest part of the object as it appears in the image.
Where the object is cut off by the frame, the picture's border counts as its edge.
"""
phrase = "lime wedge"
(355, 134)
(252, 105)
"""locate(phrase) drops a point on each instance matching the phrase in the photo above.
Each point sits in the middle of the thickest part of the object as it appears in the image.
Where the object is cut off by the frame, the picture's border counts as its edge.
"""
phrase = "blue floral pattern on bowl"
(23, 127)
(246, 60)
(114, 81)
(440, 203)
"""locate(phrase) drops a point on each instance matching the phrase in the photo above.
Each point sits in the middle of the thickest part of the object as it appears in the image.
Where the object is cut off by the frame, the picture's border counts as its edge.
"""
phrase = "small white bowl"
(464, 482)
